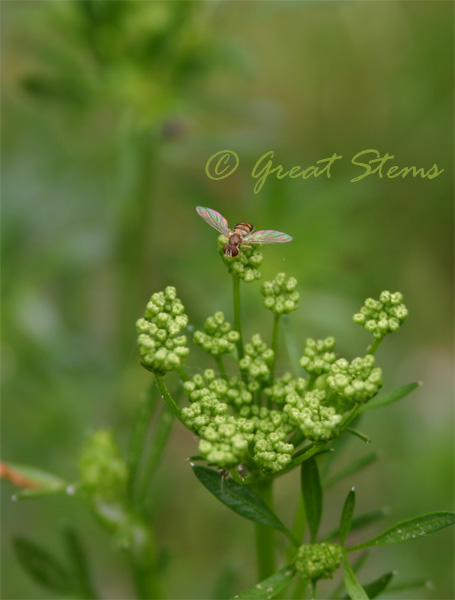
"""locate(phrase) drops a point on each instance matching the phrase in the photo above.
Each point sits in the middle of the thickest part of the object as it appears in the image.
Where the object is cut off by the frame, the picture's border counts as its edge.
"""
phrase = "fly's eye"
(226, 249)
(234, 250)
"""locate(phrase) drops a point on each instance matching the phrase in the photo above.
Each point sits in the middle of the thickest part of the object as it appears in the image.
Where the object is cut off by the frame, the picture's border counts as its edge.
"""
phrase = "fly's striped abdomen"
(243, 229)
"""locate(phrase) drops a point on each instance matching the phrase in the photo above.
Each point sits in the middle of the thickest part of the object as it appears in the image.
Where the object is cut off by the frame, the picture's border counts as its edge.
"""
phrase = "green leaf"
(34, 482)
(390, 397)
(353, 467)
(240, 499)
(374, 588)
(42, 566)
(346, 516)
(353, 587)
(270, 587)
(408, 584)
(79, 562)
(312, 495)
(359, 434)
(360, 521)
(410, 529)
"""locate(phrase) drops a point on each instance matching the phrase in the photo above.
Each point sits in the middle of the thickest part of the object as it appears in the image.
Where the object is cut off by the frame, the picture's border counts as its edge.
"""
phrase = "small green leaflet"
(377, 586)
(390, 397)
(410, 529)
(353, 587)
(312, 495)
(240, 499)
(42, 566)
(346, 516)
(269, 587)
(34, 482)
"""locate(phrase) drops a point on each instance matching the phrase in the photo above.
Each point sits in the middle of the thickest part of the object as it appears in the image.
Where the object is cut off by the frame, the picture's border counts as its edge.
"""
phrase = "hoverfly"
(242, 232)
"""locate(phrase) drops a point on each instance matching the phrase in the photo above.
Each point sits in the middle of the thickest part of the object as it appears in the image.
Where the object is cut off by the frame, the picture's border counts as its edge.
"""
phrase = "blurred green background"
(110, 112)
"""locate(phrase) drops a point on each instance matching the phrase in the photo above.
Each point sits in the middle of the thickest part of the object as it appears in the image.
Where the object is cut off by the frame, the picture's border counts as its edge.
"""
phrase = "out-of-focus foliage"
(110, 112)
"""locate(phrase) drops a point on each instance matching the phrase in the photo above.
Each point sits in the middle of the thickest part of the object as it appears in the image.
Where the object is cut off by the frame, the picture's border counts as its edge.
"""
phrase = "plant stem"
(182, 373)
(276, 326)
(166, 395)
(220, 365)
(141, 424)
(237, 320)
(265, 536)
(291, 346)
(374, 346)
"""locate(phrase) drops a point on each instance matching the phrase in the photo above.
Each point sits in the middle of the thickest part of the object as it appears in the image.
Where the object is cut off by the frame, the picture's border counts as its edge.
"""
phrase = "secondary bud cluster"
(357, 381)
(102, 468)
(217, 337)
(318, 561)
(382, 316)
(316, 421)
(280, 295)
(283, 386)
(318, 356)
(161, 348)
(246, 264)
(257, 360)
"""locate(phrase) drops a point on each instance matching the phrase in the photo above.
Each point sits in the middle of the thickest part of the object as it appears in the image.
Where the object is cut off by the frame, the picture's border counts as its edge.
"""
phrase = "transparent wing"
(267, 236)
(214, 219)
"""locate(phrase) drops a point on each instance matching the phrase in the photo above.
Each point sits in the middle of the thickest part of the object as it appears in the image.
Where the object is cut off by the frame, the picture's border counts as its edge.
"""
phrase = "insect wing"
(267, 236)
(214, 219)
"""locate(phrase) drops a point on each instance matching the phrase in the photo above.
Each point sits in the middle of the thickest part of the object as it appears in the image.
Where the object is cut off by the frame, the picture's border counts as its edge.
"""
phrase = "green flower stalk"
(161, 349)
(318, 561)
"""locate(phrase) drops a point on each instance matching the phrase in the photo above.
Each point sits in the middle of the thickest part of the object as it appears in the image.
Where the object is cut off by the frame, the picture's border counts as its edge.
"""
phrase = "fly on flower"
(242, 234)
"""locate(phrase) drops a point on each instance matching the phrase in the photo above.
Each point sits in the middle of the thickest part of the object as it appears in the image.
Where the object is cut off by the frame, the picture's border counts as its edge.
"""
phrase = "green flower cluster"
(318, 356)
(161, 348)
(382, 316)
(217, 337)
(318, 561)
(287, 384)
(102, 468)
(357, 381)
(245, 265)
(280, 295)
(317, 422)
(257, 360)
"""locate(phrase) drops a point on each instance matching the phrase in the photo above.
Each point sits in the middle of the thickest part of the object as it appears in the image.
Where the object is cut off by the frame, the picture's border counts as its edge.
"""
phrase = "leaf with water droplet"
(270, 587)
(34, 482)
(410, 529)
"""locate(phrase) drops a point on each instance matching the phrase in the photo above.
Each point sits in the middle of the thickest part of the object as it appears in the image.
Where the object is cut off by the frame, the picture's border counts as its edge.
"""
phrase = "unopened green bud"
(318, 561)
(280, 295)
(382, 316)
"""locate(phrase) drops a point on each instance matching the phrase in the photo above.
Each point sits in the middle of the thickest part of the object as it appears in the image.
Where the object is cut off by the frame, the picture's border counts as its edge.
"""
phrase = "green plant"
(253, 427)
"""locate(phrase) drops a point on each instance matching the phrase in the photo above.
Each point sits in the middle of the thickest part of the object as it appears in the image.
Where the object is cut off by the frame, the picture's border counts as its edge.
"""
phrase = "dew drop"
(70, 490)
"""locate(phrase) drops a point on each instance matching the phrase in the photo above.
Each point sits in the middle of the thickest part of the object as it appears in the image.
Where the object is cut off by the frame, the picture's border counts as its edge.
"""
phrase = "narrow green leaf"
(408, 584)
(360, 521)
(353, 467)
(42, 566)
(353, 587)
(239, 498)
(34, 482)
(79, 562)
(356, 566)
(312, 495)
(377, 586)
(390, 397)
(359, 434)
(410, 529)
(270, 587)
(346, 516)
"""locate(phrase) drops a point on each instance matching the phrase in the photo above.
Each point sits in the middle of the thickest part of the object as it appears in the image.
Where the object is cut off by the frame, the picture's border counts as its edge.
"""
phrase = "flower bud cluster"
(233, 392)
(257, 360)
(280, 295)
(318, 561)
(102, 468)
(357, 381)
(317, 422)
(382, 316)
(282, 387)
(217, 337)
(246, 264)
(161, 348)
(318, 356)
